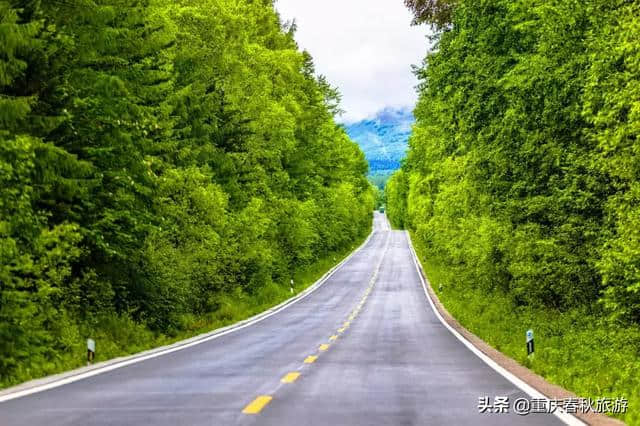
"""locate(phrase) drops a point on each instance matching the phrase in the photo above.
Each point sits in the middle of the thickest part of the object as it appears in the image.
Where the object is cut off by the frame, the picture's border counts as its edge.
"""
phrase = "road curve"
(364, 349)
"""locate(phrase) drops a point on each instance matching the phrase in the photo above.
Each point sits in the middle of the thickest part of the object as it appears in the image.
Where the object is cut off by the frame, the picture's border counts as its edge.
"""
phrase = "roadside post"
(291, 288)
(91, 350)
(530, 347)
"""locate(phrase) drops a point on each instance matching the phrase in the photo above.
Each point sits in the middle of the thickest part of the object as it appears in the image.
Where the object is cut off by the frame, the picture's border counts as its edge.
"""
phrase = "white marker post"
(291, 288)
(91, 350)
(530, 347)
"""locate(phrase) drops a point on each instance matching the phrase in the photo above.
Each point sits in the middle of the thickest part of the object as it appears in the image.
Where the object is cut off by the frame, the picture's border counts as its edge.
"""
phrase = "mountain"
(383, 138)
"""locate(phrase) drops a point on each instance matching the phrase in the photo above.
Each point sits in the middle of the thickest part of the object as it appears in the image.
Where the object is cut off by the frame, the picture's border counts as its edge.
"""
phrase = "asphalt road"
(364, 349)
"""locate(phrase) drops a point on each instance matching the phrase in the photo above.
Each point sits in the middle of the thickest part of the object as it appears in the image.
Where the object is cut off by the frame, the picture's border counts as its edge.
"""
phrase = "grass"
(576, 350)
(120, 336)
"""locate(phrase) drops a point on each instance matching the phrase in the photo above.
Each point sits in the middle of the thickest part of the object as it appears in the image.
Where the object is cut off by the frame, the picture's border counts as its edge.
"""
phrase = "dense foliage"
(522, 177)
(155, 158)
(436, 12)
(523, 167)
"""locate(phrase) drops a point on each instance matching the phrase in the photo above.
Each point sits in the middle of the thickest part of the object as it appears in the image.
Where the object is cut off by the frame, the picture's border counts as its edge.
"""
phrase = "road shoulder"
(56, 380)
(533, 380)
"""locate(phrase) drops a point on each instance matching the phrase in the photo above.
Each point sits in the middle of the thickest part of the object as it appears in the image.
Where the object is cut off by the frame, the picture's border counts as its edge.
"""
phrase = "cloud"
(364, 47)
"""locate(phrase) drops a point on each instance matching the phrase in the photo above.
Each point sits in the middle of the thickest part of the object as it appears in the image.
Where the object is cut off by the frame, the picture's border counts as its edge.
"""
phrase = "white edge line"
(134, 359)
(525, 387)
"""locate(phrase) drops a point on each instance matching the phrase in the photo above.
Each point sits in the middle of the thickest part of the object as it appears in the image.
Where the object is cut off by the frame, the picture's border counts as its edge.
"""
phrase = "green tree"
(159, 162)
(522, 165)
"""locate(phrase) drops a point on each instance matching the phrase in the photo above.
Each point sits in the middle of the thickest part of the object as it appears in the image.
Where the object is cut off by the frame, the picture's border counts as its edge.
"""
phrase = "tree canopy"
(522, 175)
(438, 13)
(156, 157)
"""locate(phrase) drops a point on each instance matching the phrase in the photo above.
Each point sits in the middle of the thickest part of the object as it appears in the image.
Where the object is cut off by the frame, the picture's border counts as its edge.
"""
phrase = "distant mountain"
(383, 138)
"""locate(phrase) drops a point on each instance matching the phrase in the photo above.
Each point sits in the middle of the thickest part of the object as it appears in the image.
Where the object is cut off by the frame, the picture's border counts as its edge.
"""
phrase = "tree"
(522, 165)
(159, 161)
(436, 12)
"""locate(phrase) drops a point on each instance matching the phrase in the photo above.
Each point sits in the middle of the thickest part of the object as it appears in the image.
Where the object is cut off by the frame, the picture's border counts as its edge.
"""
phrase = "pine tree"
(115, 87)
(35, 258)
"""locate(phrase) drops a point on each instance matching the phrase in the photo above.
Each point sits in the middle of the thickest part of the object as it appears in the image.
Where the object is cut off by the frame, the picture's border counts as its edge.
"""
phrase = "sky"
(363, 47)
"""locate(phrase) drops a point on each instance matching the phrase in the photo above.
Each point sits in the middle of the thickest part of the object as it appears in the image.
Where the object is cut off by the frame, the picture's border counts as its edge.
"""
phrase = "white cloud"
(364, 47)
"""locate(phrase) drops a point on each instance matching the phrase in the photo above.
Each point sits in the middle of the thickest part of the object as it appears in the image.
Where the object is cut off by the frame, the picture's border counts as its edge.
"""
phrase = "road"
(365, 348)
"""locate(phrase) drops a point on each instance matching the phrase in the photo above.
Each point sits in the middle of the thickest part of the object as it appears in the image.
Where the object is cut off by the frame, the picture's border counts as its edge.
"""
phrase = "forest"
(522, 182)
(159, 163)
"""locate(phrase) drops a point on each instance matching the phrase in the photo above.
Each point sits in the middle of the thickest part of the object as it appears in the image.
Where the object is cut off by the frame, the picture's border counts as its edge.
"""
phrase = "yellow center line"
(290, 377)
(257, 404)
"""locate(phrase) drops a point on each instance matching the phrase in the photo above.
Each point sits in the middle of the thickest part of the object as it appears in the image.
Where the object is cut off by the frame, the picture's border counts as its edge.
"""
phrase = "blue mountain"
(383, 138)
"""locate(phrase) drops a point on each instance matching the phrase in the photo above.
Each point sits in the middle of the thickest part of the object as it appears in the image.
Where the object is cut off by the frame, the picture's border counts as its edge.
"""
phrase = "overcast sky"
(364, 47)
